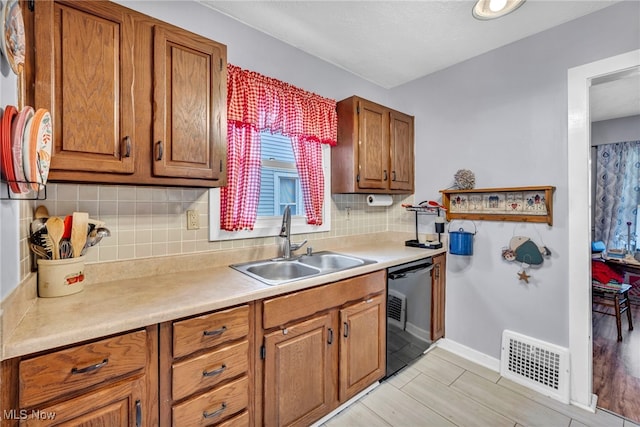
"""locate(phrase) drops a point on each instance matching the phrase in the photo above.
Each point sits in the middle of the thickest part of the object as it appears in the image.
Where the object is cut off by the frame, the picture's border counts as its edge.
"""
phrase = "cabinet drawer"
(211, 407)
(281, 310)
(240, 420)
(45, 377)
(209, 330)
(209, 369)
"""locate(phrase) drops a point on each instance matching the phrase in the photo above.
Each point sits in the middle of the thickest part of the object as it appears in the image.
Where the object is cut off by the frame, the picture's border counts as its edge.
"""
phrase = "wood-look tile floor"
(442, 389)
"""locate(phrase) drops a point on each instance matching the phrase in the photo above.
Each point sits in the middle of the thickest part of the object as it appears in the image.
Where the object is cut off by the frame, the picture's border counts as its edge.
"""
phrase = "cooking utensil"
(95, 236)
(41, 212)
(68, 220)
(39, 250)
(79, 226)
(38, 224)
(66, 251)
(55, 229)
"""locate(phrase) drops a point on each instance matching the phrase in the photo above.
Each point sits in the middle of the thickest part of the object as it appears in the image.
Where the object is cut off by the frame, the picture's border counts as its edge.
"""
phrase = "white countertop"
(112, 307)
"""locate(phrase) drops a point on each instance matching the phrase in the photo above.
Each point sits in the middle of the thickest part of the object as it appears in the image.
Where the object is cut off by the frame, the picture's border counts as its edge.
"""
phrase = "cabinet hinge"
(220, 64)
(358, 109)
(220, 165)
(263, 352)
(358, 178)
(31, 4)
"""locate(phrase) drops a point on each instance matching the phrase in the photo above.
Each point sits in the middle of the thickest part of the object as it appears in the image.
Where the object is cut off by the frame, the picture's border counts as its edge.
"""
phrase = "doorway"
(579, 220)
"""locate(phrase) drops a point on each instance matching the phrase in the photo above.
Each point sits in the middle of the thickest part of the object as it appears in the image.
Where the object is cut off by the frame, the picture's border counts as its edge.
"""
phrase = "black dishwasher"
(408, 313)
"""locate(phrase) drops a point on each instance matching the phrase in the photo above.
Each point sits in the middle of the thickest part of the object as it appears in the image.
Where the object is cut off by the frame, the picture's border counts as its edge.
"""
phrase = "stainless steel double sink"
(279, 271)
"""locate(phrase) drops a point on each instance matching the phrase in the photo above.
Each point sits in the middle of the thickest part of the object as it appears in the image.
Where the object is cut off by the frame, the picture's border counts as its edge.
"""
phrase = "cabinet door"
(84, 77)
(121, 405)
(362, 346)
(189, 123)
(438, 296)
(298, 384)
(401, 142)
(373, 146)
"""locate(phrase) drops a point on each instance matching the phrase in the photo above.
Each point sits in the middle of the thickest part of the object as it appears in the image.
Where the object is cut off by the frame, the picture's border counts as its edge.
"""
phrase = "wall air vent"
(536, 364)
(396, 308)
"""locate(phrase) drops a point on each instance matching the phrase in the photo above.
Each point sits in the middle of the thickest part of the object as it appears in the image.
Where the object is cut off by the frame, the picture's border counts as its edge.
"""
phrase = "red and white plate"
(17, 129)
(5, 148)
(41, 138)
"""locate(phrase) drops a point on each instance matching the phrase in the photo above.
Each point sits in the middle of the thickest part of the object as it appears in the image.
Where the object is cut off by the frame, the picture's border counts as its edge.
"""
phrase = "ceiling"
(393, 42)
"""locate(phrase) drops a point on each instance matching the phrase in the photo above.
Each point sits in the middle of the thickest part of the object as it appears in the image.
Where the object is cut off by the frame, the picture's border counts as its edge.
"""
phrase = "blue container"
(461, 241)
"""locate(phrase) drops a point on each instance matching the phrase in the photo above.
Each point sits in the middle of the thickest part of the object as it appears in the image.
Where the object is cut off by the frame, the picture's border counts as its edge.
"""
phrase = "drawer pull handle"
(214, 372)
(214, 414)
(216, 332)
(90, 368)
(127, 146)
(138, 413)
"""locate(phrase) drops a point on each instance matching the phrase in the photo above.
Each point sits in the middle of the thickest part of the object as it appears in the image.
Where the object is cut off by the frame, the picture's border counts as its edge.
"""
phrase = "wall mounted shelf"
(523, 204)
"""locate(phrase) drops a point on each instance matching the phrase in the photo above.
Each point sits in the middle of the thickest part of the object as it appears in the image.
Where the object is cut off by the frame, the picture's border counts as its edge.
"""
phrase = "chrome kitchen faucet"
(285, 232)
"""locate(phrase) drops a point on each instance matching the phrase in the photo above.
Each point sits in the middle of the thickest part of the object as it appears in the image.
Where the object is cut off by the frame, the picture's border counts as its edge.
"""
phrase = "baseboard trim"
(591, 408)
(469, 354)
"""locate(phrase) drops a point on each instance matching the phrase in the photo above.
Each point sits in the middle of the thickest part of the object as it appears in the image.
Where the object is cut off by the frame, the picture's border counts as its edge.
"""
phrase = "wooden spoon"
(55, 230)
(41, 212)
(79, 225)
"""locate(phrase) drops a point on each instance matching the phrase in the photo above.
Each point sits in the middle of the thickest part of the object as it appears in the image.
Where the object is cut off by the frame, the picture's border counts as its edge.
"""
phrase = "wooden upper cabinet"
(373, 154)
(190, 76)
(134, 100)
(84, 75)
(375, 149)
(401, 151)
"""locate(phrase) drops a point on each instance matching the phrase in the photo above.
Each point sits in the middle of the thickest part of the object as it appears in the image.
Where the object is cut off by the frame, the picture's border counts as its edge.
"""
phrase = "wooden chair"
(616, 297)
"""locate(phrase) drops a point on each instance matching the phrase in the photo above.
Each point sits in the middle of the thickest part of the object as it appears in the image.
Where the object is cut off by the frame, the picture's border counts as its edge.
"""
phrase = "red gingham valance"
(269, 104)
(256, 103)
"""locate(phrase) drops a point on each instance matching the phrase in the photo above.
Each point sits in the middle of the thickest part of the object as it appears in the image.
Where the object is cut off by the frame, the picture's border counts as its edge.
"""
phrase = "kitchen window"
(259, 106)
(280, 170)
(279, 183)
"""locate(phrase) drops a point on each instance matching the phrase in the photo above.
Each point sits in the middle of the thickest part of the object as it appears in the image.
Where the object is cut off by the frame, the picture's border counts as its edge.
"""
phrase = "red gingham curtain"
(256, 103)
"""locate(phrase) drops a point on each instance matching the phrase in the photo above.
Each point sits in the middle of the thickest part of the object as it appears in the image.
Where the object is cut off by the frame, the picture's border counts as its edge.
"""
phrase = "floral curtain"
(256, 103)
(617, 192)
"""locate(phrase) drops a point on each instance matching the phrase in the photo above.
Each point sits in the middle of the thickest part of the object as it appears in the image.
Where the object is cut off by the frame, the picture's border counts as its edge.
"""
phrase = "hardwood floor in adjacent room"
(442, 389)
(616, 364)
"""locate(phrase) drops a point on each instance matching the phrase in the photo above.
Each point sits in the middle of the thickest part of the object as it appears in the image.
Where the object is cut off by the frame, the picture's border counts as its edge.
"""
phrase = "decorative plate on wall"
(13, 41)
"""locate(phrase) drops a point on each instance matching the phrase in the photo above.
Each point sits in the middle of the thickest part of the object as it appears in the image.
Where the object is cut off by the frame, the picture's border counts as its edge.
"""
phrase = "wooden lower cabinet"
(283, 361)
(107, 382)
(297, 381)
(120, 405)
(438, 280)
(205, 369)
(321, 346)
(362, 345)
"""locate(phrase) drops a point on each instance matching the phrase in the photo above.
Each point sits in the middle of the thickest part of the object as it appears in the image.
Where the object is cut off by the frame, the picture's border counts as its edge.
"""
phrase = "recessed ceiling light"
(491, 9)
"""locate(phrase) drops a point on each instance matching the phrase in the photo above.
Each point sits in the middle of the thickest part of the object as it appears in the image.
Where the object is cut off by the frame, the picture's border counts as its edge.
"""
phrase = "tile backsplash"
(151, 221)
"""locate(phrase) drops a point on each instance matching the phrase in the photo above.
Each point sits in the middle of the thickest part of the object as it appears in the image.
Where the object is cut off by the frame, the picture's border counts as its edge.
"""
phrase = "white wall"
(9, 209)
(250, 49)
(504, 116)
(615, 130)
